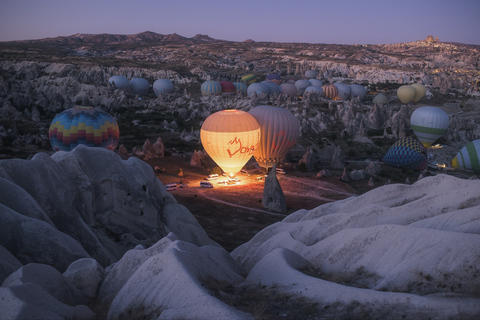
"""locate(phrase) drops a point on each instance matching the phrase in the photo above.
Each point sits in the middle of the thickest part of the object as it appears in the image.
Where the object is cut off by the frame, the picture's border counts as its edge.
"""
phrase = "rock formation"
(273, 198)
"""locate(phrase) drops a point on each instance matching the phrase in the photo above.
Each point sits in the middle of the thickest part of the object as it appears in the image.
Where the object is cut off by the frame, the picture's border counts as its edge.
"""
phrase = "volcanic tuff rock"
(273, 198)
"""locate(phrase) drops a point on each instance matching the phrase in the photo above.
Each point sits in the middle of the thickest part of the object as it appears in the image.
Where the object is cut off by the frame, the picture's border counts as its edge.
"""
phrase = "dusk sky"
(312, 21)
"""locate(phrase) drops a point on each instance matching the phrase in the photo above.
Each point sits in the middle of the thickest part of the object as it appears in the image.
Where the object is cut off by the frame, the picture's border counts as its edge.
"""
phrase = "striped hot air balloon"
(230, 138)
(279, 131)
(468, 157)
(248, 79)
(90, 126)
(240, 86)
(429, 124)
(330, 91)
(210, 88)
(407, 153)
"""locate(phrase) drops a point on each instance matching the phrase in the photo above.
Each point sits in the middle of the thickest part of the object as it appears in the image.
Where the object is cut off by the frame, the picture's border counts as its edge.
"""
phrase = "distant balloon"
(468, 157)
(380, 99)
(406, 93)
(139, 86)
(259, 88)
(240, 86)
(289, 89)
(163, 86)
(230, 138)
(316, 82)
(279, 131)
(272, 87)
(249, 79)
(314, 89)
(120, 82)
(275, 78)
(301, 85)
(407, 153)
(211, 88)
(343, 91)
(311, 74)
(228, 87)
(357, 91)
(420, 91)
(429, 124)
(330, 91)
(89, 126)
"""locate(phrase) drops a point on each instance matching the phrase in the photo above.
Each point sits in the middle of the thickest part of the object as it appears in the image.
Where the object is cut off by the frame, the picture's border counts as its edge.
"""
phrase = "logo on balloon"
(241, 149)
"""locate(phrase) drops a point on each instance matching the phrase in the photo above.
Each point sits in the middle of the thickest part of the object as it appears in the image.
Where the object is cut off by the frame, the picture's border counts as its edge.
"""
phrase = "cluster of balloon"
(411, 93)
(301, 85)
(120, 82)
(275, 78)
(211, 87)
(228, 87)
(380, 99)
(248, 79)
(429, 124)
(259, 88)
(139, 86)
(163, 86)
(89, 126)
(330, 91)
(230, 138)
(468, 157)
(311, 74)
(407, 153)
(279, 131)
(240, 86)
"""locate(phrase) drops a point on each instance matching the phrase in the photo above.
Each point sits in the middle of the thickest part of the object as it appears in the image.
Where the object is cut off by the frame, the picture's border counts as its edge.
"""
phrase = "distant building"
(430, 39)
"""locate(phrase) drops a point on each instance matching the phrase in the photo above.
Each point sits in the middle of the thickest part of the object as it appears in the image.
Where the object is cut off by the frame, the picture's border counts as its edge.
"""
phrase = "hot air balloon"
(276, 78)
(139, 86)
(406, 93)
(249, 79)
(407, 153)
(314, 89)
(357, 91)
(330, 91)
(380, 99)
(210, 88)
(301, 85)
(279, 131)
(289, 89)
(343, 91)
(311, 74)
(230, 138)
(468, 157)
(120, 82)
(316, 82)
(420, 91)
(240, 86)
(259, 88)
(163, 86)
(90, 126)
(272, 87)
(228, 87)
(429, 124)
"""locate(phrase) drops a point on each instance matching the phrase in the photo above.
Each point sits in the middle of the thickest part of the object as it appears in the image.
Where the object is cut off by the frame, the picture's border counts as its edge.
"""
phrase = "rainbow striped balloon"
(468, 157)
(210, 88)
(90, 126)
(248, 79)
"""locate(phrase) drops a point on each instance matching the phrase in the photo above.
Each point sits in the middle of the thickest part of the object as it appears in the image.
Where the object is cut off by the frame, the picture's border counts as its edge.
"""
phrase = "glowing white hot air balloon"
(230, 138)
(429, 124)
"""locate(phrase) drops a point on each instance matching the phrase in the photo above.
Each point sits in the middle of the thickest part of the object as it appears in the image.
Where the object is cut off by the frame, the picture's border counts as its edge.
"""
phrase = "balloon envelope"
(420, 91)
(316, 82)
(272, 87)
(258, 88)
(357, 91)
(429, 124)
(301, 85)
(279, 131)
(343, 91)
(314, 89)
(276, 78)
(311, 74)
(380, 99)
(406, 93)
(228, 87)
(230, 138)
(249, 79)
(330, 91)
(289, 89)
(407, 153)
(139, 86)
(468, 157)
(240, 86)
(163, 86)
(120, 82)
(210, 87)
(90, 126)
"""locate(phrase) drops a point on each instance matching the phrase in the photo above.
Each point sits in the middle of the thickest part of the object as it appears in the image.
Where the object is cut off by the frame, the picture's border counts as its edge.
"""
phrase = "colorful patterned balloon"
(248, 79)
(90, 126)
(276, 78)
(240, 86)
(407, 153)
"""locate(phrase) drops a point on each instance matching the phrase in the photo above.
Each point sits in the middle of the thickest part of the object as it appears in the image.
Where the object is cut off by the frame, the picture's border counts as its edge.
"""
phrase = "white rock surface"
(87, 275)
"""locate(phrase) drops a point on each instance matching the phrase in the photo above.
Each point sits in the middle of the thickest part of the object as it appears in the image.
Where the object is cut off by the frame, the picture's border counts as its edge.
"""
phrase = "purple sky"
(313, 21)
